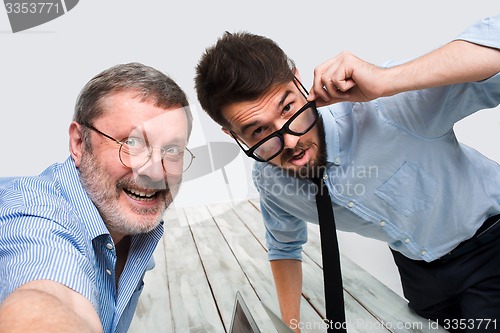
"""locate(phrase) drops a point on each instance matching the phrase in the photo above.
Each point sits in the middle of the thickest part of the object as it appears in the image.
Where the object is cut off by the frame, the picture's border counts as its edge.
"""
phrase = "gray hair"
(149, 83)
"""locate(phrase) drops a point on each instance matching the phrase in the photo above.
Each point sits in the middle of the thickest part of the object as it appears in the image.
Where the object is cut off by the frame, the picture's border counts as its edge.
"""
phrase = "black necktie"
(334, 294)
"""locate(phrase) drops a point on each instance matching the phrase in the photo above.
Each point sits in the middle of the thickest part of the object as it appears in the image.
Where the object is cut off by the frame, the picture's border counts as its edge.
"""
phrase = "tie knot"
(318, 177)
(317, 181)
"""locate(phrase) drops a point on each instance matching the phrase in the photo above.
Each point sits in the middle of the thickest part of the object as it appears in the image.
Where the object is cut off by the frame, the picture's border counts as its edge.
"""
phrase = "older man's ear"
(76, 142)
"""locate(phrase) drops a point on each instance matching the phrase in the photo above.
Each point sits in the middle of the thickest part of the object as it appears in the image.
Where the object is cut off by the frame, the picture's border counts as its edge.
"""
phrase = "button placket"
(108, 249)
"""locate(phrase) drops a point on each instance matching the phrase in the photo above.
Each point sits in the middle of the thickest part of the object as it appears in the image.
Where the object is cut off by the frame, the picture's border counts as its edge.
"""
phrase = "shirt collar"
(84, 208)
(329, 114)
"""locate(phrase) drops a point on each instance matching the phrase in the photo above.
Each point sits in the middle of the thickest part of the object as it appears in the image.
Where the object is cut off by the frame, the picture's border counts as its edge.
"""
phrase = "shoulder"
(266, 176)
(38, 201)
(35, 192)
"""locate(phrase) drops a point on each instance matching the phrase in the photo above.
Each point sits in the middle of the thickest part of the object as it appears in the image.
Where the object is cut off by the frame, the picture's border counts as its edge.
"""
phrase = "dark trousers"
(461, 291)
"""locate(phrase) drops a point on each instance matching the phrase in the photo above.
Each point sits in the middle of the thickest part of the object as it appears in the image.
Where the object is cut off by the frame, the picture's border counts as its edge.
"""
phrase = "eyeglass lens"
(176, 160)
(299, 125)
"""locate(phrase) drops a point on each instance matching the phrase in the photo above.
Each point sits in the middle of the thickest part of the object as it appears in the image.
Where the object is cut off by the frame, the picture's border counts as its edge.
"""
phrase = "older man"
(76, 241)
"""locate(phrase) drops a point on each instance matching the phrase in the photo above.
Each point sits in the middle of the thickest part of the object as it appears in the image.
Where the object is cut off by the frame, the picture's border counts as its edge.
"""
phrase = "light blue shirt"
(395, 171)
(50, 229)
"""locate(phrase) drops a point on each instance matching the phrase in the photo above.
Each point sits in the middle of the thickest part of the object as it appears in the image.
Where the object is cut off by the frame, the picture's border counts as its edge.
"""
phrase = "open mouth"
(298, 156)
(141, 195)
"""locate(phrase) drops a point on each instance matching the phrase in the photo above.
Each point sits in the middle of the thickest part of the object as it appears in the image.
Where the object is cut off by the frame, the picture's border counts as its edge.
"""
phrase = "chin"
(310, 170)
(143, 224)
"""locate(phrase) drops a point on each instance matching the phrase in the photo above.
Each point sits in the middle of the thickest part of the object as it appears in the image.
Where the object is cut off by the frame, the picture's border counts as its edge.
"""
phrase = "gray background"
(43, 69)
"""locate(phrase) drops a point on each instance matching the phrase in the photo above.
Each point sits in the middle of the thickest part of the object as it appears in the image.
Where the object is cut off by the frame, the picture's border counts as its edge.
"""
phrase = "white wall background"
(42, 71)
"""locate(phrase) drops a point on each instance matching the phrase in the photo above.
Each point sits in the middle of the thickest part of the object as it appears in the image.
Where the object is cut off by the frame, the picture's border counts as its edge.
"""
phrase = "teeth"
(141, 194)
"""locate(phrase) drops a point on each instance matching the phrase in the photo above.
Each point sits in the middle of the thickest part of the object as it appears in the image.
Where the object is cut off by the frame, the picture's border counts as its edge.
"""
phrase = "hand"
(346, 78)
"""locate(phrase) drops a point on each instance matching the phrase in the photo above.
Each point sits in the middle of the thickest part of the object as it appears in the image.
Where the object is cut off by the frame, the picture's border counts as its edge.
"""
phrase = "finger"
(331, 87)
(338, 77)
(344, 85)
(311, 96)
(318, 81)
(344, 97)
(318, 90)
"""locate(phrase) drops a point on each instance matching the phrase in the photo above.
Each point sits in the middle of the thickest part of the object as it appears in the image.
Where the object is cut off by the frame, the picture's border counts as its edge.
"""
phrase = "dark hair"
(239, 67)
(149, 83)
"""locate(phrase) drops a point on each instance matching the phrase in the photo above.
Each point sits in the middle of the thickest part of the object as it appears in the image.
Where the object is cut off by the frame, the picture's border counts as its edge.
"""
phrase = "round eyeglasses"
(135, 152)
(272, 145)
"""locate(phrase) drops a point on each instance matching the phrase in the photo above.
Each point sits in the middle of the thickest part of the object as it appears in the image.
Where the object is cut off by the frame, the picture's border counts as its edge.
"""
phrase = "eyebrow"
(280, 104)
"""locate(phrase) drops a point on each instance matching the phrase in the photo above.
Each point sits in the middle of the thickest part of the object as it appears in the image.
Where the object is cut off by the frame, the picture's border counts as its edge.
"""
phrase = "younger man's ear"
(297, 74)
(225, 130)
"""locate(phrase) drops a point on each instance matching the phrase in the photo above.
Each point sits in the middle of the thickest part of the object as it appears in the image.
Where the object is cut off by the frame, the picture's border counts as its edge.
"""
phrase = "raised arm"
(47, 306)
(348, 78)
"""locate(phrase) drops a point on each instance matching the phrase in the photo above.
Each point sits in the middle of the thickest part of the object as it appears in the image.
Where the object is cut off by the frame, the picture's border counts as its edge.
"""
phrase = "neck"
(122, 248)
(117, 237)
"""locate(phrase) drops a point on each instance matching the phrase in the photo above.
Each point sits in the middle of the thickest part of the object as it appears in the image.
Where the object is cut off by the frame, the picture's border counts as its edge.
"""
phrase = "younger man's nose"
(290, 140)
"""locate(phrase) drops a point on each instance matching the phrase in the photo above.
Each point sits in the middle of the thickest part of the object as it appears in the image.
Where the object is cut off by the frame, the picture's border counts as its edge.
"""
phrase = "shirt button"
(424, 253)
(109, 246)
(350, 204)
(407, 241)
(325, 176)
(337, 161)
(108, 272)
(382, 223)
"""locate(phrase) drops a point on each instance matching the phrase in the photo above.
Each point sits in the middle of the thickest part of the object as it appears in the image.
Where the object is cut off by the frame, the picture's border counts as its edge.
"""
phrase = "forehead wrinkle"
(154, 136)
(260, 108)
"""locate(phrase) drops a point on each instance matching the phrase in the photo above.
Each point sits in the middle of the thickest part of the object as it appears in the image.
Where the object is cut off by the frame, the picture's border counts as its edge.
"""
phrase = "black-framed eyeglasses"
(299, 124)
(135, 152)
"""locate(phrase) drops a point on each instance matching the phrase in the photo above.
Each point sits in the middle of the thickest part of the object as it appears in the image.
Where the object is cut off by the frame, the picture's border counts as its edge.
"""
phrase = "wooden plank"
(223, 271)
(192, 304)
(312, 281)
(153, 312)
(252, 258)
(381, 301)
(209, 253)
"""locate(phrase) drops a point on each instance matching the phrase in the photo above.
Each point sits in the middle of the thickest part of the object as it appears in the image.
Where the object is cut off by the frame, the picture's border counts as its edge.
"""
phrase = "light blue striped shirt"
(50, 229)
(395, 170)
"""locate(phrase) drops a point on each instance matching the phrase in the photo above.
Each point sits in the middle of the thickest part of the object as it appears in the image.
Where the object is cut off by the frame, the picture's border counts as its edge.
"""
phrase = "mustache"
(144, 182)
(288, 153)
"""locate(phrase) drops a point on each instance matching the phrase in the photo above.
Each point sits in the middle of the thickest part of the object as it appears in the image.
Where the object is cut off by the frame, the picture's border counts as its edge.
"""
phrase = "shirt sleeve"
(485, 32)
(431, 113)
(285, 233)
(39, 248)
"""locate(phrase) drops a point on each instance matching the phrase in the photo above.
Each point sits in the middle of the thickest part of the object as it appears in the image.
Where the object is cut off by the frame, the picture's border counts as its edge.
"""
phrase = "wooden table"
(210, 252)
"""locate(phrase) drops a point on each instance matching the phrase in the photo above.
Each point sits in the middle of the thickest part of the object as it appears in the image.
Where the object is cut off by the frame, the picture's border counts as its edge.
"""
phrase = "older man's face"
(132, 200)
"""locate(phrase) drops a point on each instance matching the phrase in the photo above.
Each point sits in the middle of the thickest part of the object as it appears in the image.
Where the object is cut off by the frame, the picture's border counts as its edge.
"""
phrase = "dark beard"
(316, 168)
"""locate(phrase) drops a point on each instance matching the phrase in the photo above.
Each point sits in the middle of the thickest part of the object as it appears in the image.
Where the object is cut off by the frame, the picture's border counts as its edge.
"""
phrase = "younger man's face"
(252, 121)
